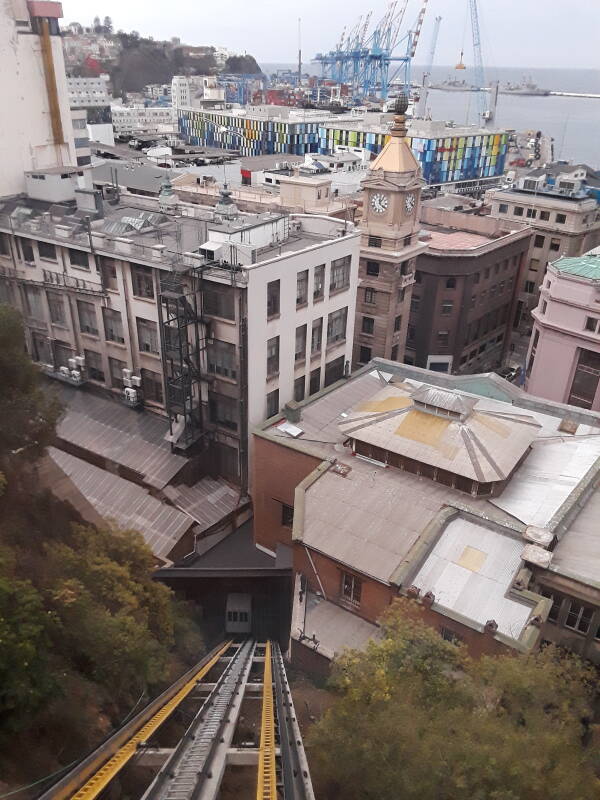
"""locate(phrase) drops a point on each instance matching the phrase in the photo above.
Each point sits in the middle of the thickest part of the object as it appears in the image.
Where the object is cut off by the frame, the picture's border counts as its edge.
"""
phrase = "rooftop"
(445, 240)
(586, 266)
(578, 552)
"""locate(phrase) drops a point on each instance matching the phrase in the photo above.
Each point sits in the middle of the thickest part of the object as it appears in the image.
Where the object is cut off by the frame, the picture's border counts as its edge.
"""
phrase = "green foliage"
(417, 718)
(242, 65)
(27, 414)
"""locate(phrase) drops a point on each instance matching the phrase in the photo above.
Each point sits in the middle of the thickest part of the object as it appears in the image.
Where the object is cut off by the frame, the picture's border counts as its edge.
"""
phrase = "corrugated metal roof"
(129, 505)
(335, 628)
(586, 266)
(478, 591)
(207, 501)
(578, 552)
(107, 428)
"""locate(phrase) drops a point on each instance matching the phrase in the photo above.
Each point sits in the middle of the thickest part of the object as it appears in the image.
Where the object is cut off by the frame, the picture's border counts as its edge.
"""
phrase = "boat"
(527, 88)
(454, 85)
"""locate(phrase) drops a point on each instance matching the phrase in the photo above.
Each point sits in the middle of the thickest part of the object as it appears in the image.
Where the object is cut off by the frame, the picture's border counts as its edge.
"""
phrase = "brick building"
(464, 294)
(406, 483)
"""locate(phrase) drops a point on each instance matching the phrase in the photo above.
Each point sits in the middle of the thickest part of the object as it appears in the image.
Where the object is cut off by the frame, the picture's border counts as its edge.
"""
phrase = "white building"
(210, 316)
(180, 91)
(139, 119)
(89, 92)
(35, 125)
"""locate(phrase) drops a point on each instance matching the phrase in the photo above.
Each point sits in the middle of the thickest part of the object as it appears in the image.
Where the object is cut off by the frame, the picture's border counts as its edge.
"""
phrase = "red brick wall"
(276, 471)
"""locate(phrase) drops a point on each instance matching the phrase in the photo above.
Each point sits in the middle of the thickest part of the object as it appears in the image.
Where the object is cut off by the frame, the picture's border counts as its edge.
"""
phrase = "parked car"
(509, 373)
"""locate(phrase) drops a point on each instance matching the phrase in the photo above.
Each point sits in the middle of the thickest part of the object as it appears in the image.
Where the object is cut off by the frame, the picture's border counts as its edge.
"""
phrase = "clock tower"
(389, 247)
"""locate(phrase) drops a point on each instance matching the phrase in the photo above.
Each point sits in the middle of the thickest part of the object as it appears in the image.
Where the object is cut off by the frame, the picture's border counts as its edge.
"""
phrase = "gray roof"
(108, 429)
(125, 503)
(207, 501)
(133, 176)
(257, 163)
(578, 552)
(334, 628)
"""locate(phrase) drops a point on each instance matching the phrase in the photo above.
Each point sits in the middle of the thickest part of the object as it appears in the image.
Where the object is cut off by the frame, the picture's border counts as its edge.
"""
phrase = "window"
(26, 248)
(556, 604)
(273, 292)
(394, 353)
(316, 336)
(407, 240)
(302, 288)
(351, 588)
(486, 274)
(116, 368)
(79, 258)
(447, 307)
(221, 359)
(410, 333)
(336, 326)
(373, 268)
(113, 326)
(218, 301)
(400, 296)
(449, 635)
(544, 307)
(476, 277)
(340, 274)
(299, 389)
(529, 287)
(300, 354)
(87, 318)
(147, 336)
(141, 279)
(374, 241)
(545, 216)
(319, 285)
(503, 208)
(450, 283)
(272, 403)
(368, 325)
(152, 386)
(47, 251)
(334, 371)
(315, 381)
(534, 264)
(418, 277)
(287, 515)
(518, 211)
(273, 356)
(561, 219)
(415, 302)
(108, 271)
(93, 365)
(539, 241)
(579, 617)
(531, 213)
(591, 324)
(4, 245)
(224, 411)
(57, 308)
(555, 245)
(443, 338)
(370, 296)
(585, 380)
(473, 301)
(364, 354)
(397, 322)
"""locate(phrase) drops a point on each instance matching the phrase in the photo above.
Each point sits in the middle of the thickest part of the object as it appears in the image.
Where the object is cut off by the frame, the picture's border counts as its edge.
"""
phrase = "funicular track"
(194, 769)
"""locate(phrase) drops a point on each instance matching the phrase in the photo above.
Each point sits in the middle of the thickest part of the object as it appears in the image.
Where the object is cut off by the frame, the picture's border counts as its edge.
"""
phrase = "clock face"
(379, 203)
(409, 203)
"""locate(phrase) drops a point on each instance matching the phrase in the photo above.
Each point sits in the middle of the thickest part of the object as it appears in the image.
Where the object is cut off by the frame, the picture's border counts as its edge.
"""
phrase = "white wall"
(25, 128)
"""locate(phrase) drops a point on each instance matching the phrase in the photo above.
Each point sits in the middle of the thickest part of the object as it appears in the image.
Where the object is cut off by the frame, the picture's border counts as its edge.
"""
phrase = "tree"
(417, 718)
(96, 25)
(107, 25)
(28, 415)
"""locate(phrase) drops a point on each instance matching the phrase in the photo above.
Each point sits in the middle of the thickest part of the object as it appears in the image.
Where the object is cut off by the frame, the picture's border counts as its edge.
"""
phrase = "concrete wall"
(26, 140)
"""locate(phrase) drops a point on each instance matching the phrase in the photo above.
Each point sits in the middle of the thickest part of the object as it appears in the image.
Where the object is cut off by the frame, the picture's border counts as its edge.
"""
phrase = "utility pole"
(299, 53)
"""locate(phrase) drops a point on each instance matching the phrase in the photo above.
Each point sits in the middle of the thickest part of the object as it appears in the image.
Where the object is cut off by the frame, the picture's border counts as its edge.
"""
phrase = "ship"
(454, 85)
(527, 88)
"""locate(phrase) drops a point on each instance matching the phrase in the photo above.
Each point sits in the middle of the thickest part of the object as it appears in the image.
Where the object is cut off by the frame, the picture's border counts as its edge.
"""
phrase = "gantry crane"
(486, 100)
(422, 109)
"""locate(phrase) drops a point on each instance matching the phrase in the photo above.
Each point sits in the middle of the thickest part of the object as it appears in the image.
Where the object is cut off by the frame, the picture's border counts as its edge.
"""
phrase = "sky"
(515, 33)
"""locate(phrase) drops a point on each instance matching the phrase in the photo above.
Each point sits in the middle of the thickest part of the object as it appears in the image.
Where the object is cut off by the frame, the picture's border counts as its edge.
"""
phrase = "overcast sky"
(516, 33)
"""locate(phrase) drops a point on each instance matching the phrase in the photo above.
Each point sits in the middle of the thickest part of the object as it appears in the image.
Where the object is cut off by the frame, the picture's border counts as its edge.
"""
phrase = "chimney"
(291, 411)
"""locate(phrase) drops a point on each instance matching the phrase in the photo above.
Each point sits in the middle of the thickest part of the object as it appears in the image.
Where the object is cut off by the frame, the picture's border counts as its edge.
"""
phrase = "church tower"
(389, 247)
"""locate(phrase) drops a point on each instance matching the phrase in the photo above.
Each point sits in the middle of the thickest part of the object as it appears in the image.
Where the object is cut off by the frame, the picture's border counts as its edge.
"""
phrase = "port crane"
(363, 60)
(422, 109)
(486, 101)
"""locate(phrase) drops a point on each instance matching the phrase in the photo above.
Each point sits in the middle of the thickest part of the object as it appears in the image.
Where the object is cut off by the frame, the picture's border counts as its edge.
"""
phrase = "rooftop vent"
(443, 403)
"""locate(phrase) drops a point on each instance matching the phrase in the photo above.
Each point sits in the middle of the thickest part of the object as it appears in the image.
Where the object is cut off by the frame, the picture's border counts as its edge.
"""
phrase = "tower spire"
(399, 129)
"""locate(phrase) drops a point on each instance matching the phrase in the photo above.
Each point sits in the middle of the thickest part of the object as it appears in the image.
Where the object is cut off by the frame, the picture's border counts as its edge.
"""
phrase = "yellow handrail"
(266, 787)
(107, 772)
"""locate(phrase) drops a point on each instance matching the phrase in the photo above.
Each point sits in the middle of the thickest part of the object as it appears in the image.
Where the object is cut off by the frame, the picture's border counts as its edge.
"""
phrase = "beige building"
(557, 202)
(389, 247)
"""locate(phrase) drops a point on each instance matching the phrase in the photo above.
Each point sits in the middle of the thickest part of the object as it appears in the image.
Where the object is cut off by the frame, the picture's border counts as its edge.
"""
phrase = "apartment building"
(389, 247)
(141, 119)
(560, 203)
(563, 362)
(212, 317)
(92, 96)
(407, 483)
(463, 299)
(35, 127)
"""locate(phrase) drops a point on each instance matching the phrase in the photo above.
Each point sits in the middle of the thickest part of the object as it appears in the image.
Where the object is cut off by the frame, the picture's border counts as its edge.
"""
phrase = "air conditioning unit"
(80, 361)
(76, 375)
(64, 371)
(136, 380)
(130, 395)
(72, 363)
(126, 374)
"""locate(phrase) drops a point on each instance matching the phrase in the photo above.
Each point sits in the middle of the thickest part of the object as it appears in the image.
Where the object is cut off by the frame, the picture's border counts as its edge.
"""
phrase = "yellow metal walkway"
(266, 788)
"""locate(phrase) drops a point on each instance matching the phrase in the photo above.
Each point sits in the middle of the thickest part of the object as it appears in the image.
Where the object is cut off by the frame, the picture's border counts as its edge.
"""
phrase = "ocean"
(573, 122)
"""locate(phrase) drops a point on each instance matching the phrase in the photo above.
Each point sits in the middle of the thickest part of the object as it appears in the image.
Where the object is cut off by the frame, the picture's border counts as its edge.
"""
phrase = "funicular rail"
(95, 772)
